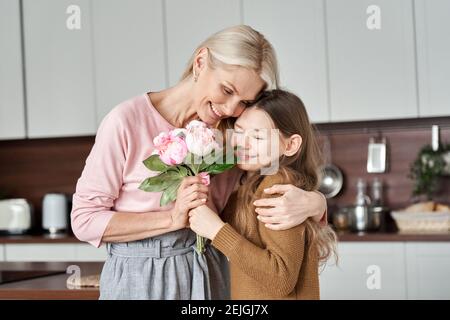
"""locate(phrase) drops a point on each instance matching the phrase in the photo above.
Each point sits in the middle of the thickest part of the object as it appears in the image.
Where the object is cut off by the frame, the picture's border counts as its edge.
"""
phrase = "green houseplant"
(428, 167)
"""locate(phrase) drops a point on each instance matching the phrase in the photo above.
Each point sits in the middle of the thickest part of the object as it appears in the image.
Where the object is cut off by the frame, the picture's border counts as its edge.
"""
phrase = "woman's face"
(259, 143)
(225, 92)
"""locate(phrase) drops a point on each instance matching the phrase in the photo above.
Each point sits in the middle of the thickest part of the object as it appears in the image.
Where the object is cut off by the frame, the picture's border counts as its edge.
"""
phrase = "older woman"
(150, 248)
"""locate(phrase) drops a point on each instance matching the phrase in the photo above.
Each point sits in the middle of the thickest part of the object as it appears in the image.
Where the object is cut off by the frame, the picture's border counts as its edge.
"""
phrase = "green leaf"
(219, 168)
(160, 182)
(203, 166)
(182, 171)
(154, 163)
(170, 194)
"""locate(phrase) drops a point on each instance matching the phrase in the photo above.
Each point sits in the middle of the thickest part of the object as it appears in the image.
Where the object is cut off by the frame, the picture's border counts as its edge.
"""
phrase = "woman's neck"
(175, 103)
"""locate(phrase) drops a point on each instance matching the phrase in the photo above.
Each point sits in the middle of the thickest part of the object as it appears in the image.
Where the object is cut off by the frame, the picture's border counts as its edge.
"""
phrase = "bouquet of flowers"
(185, 152)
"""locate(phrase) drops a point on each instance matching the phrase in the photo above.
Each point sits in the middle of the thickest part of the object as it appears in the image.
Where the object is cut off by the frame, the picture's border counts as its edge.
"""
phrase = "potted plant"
(428, 167)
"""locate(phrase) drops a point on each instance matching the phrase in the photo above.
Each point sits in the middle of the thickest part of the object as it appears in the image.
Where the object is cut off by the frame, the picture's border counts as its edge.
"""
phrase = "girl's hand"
(191, 194)
(205, 222)
(292, 208)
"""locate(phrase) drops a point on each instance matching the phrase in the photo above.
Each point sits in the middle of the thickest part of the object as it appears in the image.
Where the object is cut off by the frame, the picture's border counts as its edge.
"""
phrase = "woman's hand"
(191, 194)
(292, 208)
(205, 222)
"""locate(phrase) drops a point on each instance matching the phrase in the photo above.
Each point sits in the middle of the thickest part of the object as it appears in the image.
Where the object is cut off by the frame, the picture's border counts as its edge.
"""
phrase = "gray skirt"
(164, 267)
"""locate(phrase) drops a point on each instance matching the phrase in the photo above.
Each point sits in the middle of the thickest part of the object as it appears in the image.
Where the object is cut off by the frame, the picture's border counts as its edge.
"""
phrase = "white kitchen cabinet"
(296, 29)
(129, 50)
(189, 23)
(372, 71)
(12, 112)
(428, 270)
(53, 252)
(433, 52)
(39, 252)
(2, 252)
(59, 68)
(87, 252)
(366, 270)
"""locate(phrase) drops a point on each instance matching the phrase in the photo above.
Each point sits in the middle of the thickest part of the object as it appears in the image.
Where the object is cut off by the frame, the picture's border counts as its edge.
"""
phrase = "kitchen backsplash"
(31, 168)
(349, 149)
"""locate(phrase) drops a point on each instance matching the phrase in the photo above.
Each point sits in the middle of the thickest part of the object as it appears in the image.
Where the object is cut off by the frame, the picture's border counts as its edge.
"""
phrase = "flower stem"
(200, 244)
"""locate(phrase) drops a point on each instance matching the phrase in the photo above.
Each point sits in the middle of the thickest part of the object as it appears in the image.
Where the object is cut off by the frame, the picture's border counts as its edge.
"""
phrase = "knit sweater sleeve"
(276, 264)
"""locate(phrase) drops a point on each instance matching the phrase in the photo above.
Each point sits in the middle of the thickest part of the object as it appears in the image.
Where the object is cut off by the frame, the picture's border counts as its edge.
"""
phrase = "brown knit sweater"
(267, 264)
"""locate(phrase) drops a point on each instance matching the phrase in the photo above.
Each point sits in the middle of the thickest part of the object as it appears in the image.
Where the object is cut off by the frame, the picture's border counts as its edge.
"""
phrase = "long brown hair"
(289, 116)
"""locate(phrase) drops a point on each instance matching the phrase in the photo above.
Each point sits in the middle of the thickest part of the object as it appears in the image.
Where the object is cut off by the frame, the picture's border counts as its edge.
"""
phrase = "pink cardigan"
(114, 170)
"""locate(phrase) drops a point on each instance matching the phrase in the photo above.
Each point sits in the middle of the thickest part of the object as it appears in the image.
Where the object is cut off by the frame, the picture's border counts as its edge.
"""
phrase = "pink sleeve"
(324, 220)
(100, 182)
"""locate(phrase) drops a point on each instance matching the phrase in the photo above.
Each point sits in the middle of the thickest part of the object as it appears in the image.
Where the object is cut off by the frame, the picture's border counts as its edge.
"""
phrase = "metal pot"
(340, 219)
(366, 218)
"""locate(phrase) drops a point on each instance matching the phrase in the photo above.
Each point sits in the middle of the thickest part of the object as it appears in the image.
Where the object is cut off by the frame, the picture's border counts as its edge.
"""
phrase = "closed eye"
(247, 103)
(227, 91)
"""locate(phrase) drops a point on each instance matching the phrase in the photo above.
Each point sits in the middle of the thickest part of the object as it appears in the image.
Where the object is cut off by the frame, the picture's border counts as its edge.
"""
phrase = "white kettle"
(55, 212)
(16, 216)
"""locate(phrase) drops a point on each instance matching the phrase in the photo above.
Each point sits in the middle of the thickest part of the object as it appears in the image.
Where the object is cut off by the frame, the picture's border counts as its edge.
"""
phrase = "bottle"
(359, 220)
(377, 209)
(362, 199)
(377, 193)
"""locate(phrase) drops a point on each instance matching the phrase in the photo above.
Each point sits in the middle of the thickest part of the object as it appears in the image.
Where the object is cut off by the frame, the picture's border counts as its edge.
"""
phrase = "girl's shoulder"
(270, 180)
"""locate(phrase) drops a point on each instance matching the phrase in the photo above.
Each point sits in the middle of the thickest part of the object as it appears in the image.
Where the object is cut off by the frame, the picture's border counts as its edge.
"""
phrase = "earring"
(195, 76)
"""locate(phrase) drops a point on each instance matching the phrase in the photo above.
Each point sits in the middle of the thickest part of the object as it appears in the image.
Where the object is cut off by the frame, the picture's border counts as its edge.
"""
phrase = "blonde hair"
(240, 46)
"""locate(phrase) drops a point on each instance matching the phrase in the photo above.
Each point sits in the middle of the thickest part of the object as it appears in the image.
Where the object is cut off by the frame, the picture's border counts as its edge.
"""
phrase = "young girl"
(267, 264)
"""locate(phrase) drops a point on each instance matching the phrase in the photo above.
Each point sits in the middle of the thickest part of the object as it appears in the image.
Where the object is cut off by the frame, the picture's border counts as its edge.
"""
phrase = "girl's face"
(223, 92)
(259, 142)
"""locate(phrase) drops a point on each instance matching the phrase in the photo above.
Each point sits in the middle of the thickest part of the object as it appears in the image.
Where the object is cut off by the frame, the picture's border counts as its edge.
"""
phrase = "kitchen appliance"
(16, 216)
(55, 212)
(331, 177)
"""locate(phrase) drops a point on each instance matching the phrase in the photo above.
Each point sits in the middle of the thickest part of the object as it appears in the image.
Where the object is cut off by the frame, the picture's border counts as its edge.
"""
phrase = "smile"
(244, 156)
(216, 112)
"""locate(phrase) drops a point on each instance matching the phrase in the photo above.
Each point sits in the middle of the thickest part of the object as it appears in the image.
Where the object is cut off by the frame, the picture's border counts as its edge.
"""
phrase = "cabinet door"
(59, 68)
(40, 252)
(189, 23)
(366, 270)
(12, 119)
(2, 252)
(433, 52)
(372, 71)
(428, 266)
(129, 50)
(87, 252)
(296, 29)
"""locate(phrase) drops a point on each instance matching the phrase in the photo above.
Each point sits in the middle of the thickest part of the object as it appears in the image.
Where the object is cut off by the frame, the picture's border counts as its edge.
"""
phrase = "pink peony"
(171, 148)
(200, 139)
(205, 178)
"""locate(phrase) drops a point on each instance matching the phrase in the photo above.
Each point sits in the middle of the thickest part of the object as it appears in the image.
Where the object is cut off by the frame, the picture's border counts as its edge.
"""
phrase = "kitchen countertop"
(49, 287)
(387, 235)
(345, 236)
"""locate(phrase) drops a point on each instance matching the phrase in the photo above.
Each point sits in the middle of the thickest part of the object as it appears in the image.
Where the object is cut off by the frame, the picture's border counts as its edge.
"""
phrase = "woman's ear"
(293, 144)
(200, 60)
